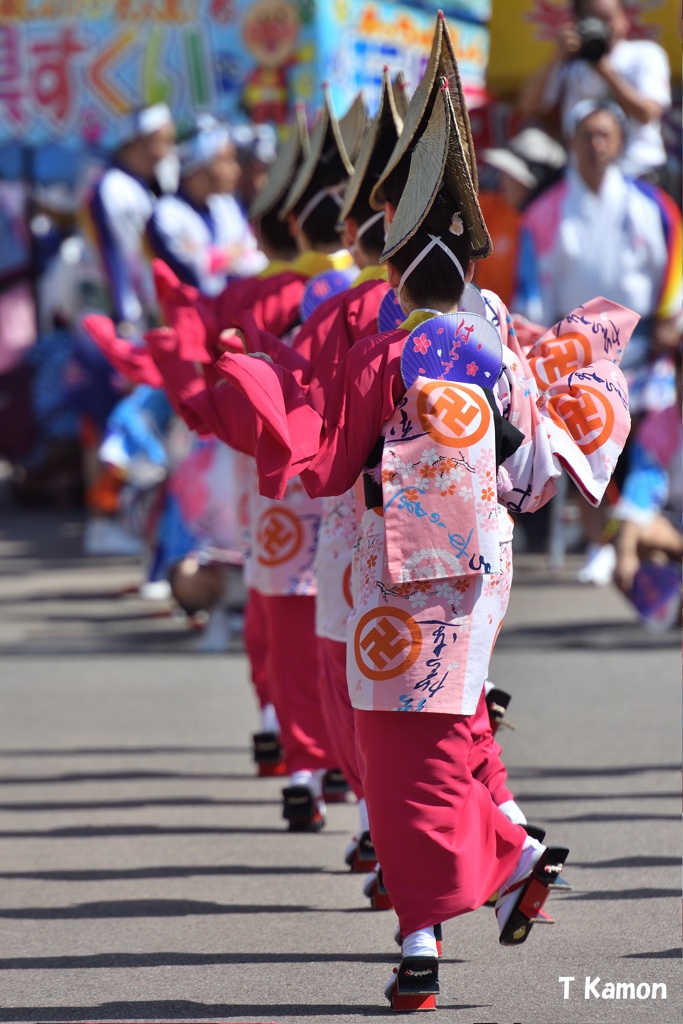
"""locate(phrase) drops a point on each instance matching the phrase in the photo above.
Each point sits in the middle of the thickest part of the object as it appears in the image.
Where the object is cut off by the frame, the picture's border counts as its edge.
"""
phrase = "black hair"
(435, 280)
(372, 240)
(276, 233)
(320, 225)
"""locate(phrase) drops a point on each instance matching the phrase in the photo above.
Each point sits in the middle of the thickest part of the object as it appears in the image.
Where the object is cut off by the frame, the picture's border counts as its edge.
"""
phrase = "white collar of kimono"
(435, 240)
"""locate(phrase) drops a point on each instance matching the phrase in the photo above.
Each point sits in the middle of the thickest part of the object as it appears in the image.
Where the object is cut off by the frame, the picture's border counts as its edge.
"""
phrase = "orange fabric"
(498, 272)
(103, 496)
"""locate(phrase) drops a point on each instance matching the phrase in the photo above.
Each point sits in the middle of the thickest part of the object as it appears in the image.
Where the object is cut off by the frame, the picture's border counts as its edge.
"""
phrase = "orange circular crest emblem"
(386, 643)
(587, 417)
(559, 357)
(454, 415)
(280, 536)
(346, 586)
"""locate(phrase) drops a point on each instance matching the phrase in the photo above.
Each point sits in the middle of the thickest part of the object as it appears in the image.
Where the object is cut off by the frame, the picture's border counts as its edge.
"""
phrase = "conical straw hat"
(438, 161)
(327, 147)
(353, 126)
(293, 151)
(380, 139)
(442, 64)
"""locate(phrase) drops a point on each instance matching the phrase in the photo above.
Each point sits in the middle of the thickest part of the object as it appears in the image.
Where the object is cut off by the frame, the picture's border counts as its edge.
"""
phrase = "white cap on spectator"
(146, 121)
(532, 148)
(204, 145)
(259, 140)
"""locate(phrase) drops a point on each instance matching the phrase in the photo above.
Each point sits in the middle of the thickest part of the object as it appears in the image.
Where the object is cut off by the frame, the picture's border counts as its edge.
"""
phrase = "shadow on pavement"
(162, 1011)
(124, 961)
(146, 908)
(630, 862)
(210, 871)
(625, 894)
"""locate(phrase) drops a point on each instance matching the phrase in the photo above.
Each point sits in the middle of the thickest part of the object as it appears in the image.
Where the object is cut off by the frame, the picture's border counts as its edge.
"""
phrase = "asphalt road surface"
(145, 874)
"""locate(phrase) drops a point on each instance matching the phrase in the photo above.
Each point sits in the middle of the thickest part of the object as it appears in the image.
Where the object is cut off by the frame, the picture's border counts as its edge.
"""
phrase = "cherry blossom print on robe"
(423, 645)
(439, 483)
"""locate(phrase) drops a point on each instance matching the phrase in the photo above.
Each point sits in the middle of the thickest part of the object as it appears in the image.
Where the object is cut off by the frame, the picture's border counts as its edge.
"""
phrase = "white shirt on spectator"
(645, 66)
(204, 246)
(121, 206)
(607, 243)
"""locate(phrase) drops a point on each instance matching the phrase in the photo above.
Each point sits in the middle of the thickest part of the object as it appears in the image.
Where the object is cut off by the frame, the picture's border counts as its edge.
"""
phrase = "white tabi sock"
(420, 943)
(364, 824)
(269, 722)
(532, 851)
(302, 779)
(513, 812)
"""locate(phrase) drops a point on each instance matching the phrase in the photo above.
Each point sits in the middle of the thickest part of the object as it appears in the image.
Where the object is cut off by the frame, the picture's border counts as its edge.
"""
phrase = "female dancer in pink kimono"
(425, 416)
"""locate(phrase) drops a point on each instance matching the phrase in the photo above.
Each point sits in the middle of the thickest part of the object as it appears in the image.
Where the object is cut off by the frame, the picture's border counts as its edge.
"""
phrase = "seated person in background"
(596, 60)
(256, 150)
(649, 510)
(598, 231)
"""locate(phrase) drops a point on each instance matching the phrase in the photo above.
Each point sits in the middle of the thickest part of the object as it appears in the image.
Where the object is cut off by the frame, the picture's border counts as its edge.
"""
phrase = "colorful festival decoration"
(71, 69)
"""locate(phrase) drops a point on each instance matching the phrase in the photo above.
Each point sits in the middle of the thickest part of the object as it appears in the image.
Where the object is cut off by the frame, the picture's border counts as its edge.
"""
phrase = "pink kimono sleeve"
(133, 361)
(222, 411)
(356, 319)
(362, 396)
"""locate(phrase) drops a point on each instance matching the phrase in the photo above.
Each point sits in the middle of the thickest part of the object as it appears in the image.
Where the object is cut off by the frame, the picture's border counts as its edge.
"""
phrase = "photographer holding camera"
(596, 60)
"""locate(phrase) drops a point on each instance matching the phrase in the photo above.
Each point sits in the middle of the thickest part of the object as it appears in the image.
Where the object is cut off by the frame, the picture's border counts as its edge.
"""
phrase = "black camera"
(595, 39)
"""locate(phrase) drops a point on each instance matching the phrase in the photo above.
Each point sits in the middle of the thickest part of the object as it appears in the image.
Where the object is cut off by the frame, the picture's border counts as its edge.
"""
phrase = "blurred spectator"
(649, 509)
(201, 232)
(596, 60)
(649, 543)
(523, 169)
(256, 150)
(121, 206)
(599, 233)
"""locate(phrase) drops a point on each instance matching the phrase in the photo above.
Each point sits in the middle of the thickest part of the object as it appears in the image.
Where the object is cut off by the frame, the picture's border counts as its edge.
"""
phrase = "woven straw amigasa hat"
(328, 162)
(437, 162)
(461, 179)
(292, 153)
(378, 143)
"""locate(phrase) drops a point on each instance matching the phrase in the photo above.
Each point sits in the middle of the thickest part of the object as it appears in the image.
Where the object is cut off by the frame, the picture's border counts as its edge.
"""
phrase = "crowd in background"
(579, 202)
